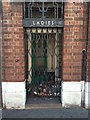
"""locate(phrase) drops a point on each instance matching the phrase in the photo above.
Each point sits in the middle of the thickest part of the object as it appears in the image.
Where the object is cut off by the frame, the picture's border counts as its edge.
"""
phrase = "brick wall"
(75, 15)
(75, 29)
(13, 42)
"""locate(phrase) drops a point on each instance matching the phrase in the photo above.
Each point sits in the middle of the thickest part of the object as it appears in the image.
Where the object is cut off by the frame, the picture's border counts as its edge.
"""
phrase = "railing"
(43, 9)
(49, 14)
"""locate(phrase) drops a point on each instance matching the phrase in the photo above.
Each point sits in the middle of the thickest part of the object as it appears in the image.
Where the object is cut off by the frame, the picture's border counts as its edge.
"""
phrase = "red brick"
(13, 43)
(73, 37)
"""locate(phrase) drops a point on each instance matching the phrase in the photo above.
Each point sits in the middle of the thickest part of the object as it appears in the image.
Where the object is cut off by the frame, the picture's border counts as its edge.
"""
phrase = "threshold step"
(43, 106)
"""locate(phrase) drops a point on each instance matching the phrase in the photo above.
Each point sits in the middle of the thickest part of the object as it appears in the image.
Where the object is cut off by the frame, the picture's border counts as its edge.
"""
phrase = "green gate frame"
(39, 78)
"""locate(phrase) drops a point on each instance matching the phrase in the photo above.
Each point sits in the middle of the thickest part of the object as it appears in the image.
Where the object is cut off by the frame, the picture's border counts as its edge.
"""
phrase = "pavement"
(48, 110)
(77, 112)
(45, 111)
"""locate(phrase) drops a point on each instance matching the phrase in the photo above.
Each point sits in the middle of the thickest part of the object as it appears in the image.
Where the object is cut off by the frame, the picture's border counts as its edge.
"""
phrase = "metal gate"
(44, 58)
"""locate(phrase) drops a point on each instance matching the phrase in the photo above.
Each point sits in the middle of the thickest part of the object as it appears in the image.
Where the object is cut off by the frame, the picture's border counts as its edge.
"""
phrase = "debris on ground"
(46, 88)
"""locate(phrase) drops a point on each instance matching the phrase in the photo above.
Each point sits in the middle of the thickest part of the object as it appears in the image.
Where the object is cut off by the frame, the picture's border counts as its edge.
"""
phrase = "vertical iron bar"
(62, 9)
(1, 54)
(43, 9)
(57, 10)
(24, 9)
(29, 10)
(54, 9)
(31, 5)
(51, 56)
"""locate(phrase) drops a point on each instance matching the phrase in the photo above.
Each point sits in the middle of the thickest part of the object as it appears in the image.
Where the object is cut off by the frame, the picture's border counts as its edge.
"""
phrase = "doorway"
(43, 48)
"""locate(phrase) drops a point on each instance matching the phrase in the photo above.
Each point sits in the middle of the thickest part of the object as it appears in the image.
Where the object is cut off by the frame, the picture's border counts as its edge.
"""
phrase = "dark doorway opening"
(43, 48)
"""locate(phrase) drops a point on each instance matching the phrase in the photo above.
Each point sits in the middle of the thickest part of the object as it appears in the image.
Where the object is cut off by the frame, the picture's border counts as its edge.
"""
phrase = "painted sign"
(34, 22)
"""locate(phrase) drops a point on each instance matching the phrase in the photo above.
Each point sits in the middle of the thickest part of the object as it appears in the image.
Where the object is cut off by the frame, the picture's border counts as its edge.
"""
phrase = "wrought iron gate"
(43, 14)
(43, 56)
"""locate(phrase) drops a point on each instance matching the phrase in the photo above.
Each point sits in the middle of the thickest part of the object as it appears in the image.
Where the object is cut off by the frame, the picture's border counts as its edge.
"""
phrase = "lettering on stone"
(43, 23)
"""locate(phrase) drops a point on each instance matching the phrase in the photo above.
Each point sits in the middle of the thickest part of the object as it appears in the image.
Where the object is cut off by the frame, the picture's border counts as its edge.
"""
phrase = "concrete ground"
(48, 110)
(77, 112)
